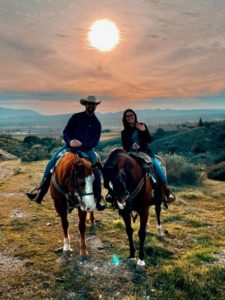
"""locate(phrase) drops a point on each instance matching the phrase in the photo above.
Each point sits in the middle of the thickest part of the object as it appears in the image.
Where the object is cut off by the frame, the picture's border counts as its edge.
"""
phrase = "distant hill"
(8, 113)
(27, 118)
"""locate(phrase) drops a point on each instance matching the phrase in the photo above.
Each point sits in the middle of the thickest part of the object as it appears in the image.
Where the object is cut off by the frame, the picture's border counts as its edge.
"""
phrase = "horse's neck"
(134, 174)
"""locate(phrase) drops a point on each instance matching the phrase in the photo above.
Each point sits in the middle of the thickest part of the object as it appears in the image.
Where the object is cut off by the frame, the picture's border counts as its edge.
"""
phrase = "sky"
(171, 54)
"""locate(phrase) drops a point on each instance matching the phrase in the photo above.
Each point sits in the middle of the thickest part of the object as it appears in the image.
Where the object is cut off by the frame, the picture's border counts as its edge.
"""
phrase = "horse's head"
(122, 174)
(119, 189)
(83, 179)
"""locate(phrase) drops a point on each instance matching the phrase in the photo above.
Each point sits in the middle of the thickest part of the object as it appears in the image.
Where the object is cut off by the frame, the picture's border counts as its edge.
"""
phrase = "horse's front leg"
(142, 236)
(159, 228)
(65, 226)
(82, 228)
(129, 230)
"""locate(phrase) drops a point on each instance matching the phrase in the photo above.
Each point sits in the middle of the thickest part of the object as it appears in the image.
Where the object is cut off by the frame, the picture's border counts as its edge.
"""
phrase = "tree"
(200, 123)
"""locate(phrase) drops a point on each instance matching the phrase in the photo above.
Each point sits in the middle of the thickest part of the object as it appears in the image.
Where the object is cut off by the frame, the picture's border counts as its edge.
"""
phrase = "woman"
(136, 136)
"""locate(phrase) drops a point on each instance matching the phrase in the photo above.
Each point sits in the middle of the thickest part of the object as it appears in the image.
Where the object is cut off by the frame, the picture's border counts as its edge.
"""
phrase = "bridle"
(129, 196)
(77, 193)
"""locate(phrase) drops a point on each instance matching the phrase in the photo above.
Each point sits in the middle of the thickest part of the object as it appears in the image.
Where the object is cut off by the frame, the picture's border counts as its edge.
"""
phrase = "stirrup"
(31, 195)
(100, 204)
(171, 198)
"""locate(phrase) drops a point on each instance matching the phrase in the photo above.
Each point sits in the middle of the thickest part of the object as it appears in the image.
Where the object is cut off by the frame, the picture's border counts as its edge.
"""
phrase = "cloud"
(167, 49)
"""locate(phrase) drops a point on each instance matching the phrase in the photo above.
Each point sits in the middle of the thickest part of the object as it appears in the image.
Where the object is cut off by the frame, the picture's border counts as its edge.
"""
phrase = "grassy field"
(188, 263)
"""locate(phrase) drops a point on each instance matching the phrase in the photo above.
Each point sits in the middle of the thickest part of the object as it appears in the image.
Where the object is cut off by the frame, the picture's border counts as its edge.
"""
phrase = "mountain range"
(21, 118)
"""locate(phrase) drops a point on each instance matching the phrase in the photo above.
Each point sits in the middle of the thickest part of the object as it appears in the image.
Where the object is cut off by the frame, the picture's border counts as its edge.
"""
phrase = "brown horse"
(73, 179)
(133, 191)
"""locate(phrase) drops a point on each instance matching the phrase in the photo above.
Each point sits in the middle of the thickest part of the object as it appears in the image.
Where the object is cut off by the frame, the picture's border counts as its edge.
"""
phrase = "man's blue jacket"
(85, 128)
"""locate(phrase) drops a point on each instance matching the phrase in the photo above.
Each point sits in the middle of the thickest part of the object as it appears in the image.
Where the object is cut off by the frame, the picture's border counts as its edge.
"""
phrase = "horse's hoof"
(159, 232)
(67, 253)
(84, 258)
(132, 261)
(140, 267)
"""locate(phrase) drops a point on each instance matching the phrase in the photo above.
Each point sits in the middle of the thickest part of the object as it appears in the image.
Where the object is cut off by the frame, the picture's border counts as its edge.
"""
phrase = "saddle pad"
(141, 155)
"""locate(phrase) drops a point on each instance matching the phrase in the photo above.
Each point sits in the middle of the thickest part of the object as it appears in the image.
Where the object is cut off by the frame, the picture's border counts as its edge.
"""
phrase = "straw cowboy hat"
(90, 99)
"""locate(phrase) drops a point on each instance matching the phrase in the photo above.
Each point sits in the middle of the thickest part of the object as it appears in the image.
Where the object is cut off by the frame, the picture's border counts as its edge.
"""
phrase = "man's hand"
(75, 143)
(140, 126)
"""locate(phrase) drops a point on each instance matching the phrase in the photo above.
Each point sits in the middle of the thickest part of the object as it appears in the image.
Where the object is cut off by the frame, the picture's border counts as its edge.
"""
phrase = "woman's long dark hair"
(125, 123)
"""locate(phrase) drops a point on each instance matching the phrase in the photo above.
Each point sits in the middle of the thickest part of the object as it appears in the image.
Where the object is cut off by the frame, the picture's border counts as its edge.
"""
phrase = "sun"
(104, 35)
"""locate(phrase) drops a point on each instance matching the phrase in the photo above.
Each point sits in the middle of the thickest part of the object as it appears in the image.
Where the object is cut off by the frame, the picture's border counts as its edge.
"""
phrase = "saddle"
(145, 162)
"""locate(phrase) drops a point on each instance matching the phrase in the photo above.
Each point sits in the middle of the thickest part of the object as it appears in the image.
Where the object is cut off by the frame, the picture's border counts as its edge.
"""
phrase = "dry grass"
(188, 263)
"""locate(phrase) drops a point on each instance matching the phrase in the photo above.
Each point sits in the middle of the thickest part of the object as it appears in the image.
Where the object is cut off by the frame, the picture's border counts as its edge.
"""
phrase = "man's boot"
(41, 190)
(97, 189)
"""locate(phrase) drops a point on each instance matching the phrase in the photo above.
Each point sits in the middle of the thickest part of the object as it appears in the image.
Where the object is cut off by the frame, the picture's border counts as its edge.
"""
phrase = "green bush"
(181, 172)
(217, 171)
(160, 132)
(220, 157)
(31, 140)
(198, 147)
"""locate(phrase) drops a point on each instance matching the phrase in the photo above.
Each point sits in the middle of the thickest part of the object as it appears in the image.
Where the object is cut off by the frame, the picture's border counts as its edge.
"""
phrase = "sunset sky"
(171, 54)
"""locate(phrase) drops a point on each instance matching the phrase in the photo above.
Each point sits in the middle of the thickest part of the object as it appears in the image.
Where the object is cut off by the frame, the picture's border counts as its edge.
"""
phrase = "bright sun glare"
(103, 35)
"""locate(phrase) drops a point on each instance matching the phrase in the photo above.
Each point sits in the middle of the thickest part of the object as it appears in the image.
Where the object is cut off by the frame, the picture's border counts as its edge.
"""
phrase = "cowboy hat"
(90, 99)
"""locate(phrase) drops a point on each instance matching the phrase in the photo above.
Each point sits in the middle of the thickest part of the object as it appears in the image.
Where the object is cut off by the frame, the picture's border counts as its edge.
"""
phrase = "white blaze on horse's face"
(121, 204)
(87, 199)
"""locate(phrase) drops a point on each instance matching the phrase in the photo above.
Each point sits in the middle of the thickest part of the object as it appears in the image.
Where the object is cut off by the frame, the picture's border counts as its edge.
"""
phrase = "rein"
(66, 195)
(58, 188)
(137, 189)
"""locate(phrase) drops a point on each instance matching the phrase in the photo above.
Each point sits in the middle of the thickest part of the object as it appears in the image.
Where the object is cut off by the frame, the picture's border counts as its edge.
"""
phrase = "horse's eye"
(83, 183)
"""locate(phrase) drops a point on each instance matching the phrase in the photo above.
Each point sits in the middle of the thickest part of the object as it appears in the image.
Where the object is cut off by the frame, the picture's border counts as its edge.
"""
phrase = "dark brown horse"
(73, 178)
(133, 191)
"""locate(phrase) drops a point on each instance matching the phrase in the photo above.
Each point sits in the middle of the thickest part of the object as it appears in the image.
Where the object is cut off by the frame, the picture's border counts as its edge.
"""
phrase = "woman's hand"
(140, 126)
(75, 143)
(135, 146)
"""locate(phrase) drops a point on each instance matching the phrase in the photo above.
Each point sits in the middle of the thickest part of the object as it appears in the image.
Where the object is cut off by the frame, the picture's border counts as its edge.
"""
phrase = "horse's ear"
(97, 165)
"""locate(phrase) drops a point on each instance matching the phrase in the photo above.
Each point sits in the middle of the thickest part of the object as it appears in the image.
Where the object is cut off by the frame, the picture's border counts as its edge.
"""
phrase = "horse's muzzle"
(122, 203)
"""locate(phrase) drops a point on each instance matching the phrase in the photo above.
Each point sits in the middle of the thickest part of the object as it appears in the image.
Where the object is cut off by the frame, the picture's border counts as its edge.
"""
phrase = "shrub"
(217, 171)
(221, 137)
(31, 140)
(220, 157)
(160, 132)
(182, 172)
(198, 147)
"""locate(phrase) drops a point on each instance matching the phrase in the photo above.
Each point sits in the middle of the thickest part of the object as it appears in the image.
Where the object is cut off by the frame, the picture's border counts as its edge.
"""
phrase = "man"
(81, 134)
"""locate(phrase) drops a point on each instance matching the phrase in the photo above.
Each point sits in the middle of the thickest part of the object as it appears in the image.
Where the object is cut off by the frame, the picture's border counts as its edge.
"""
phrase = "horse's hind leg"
(91, 218)
(159, 228)
(82, 229)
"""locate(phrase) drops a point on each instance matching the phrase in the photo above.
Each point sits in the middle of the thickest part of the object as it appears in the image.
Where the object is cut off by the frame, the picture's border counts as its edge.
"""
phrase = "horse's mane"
(67, 164)
(115, 152)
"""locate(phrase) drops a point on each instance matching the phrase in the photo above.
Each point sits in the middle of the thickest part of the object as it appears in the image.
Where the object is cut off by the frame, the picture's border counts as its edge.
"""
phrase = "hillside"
(205, 144)
(188, 263)
(200, 144)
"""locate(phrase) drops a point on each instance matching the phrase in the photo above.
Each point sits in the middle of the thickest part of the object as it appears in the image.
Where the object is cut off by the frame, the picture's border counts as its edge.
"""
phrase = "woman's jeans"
(159, 169)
